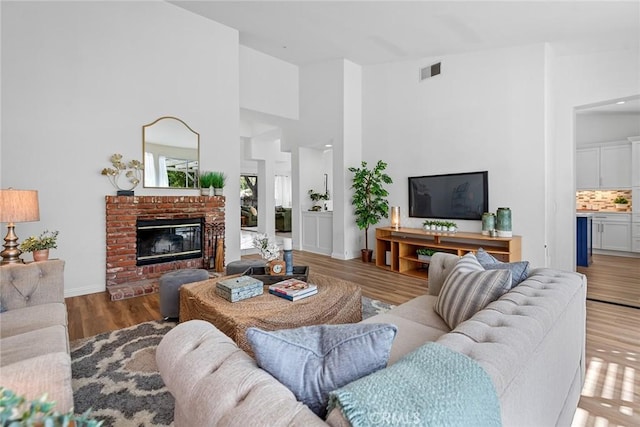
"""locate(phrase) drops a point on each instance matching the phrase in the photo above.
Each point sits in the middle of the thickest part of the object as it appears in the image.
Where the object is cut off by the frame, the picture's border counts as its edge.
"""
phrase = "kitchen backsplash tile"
(601, 200)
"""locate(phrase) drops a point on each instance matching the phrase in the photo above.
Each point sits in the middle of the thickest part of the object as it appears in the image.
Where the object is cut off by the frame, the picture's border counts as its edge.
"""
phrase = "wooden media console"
(403, 243)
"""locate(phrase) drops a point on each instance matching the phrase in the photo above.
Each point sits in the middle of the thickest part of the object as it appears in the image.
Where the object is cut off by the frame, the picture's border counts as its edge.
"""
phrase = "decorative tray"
(299, 272)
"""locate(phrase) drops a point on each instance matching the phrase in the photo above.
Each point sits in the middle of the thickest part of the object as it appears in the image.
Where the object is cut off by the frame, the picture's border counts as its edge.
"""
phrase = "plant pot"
(41, 255)
(425, 258)
(204, 191)
(366, 254)
(217, 191)
(621, 206)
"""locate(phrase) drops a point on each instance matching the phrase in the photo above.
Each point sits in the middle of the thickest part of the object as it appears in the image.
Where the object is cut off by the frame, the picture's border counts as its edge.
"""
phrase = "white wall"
(484, 112)
(79, 80)
(582, 75)
(268, 84)
(606, 127)
(320, 123)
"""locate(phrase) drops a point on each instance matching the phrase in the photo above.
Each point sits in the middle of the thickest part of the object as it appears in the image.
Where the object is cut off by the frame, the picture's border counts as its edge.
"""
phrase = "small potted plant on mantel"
(40, 245)
(621, 203)
(218, 181)
(206, 183)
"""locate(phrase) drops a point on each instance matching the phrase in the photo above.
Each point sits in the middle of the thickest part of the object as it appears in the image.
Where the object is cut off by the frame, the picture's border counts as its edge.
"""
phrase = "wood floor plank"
(612, 342)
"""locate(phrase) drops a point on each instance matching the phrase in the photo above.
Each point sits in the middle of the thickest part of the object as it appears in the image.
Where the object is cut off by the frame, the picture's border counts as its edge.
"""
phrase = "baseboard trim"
(76, 292)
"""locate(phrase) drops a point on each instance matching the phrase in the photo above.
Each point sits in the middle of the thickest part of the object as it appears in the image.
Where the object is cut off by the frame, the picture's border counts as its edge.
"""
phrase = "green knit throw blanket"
(432, 386)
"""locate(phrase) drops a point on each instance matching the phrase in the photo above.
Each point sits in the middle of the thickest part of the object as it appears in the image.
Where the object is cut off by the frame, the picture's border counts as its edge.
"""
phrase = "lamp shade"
(395, 217)
(19, 205)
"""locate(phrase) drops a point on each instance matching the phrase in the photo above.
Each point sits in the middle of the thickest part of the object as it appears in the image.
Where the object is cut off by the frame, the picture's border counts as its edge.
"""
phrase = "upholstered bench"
(170, 289)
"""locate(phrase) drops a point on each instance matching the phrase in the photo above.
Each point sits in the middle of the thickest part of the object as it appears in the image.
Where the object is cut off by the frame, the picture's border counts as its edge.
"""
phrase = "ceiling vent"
(429, 71)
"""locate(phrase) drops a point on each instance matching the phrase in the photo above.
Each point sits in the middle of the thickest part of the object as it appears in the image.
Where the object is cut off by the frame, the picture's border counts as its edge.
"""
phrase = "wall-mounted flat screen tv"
(450, 196)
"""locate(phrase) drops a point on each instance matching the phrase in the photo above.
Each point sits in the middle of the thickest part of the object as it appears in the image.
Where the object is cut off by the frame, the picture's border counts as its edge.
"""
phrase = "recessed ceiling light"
(620, 102)
(328, 145)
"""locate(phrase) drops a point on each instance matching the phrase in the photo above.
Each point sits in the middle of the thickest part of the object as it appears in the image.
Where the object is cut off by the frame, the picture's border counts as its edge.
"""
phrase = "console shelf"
(403, 243)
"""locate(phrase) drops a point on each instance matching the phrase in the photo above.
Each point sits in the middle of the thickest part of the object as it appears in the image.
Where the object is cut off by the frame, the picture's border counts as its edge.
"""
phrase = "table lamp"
(16, 206)
(395, 217)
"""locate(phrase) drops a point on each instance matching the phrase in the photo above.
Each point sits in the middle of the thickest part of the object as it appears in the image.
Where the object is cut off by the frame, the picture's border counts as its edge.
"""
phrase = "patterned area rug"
(116, 375)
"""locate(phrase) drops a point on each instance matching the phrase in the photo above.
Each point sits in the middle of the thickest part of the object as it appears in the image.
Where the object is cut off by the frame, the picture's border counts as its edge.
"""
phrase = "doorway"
(605, 134)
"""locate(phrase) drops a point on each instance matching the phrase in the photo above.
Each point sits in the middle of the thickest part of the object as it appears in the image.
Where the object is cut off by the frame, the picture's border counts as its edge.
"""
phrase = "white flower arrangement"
(269, 250)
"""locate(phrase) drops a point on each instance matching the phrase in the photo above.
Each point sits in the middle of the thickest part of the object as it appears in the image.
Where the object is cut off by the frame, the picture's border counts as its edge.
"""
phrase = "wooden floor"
(611, 395)
(614, 279)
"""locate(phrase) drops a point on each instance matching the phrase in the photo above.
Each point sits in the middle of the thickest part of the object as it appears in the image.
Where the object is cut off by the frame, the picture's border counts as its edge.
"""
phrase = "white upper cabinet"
(635, 161)
(587, 168)
(606, 166)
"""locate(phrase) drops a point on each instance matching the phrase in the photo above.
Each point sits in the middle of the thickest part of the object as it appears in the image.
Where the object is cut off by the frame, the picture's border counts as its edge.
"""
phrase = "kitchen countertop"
(594, 211)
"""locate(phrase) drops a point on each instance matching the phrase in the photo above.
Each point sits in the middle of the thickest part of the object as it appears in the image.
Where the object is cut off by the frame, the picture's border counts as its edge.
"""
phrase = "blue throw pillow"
(313, 360)
(519, 270)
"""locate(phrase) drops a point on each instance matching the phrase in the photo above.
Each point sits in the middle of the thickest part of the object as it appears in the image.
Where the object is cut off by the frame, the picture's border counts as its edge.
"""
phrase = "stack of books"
(293, 289)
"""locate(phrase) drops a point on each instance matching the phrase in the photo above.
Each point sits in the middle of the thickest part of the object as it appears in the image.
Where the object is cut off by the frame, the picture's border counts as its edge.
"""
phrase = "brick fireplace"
(126, 279)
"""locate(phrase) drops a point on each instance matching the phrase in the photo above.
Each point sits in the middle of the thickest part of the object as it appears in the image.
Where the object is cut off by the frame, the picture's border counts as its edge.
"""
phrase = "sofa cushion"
(414, 310)
(47, 373)
(19, 321)
(410, 335)
(52, 339)
(313, 360)
(468, 289)
(519, 269)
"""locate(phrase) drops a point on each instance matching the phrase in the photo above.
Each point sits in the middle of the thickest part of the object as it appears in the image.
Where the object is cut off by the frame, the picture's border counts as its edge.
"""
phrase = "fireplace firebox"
(164, 240)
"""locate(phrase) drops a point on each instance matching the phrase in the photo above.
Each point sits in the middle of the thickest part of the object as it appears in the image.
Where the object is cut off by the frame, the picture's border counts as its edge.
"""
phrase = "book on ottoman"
(239, 288)
(293, 289)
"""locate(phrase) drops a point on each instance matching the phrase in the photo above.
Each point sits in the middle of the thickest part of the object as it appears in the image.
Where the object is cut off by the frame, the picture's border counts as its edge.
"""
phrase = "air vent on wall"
(429, 71)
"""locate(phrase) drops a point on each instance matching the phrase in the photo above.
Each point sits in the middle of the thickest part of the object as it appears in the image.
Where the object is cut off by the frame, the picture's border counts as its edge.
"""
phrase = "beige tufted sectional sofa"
(531, 342)
(34, 343)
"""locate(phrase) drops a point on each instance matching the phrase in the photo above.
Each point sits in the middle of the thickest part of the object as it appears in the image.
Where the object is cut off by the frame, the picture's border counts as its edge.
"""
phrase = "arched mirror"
(171, 153)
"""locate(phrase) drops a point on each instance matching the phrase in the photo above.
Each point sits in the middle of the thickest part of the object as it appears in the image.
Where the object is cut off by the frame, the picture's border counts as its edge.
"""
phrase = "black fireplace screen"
(165, 240)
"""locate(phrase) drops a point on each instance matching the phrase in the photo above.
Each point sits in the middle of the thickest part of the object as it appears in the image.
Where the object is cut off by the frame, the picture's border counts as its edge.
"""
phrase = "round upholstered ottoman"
(239, 267)
(170, 289)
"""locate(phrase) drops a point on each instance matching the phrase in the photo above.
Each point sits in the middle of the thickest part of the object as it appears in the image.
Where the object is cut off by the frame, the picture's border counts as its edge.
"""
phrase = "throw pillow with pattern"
(468, 289)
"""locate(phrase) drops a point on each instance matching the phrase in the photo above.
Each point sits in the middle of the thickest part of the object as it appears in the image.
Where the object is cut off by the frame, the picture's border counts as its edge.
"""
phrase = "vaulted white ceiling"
(370, 32)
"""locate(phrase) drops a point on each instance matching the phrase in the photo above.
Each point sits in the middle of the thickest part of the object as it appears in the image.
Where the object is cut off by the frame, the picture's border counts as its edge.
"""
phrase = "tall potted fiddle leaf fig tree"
(369, 199)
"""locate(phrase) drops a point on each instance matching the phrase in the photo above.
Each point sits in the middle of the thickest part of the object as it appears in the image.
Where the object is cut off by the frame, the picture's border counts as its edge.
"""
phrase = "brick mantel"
(124, 278)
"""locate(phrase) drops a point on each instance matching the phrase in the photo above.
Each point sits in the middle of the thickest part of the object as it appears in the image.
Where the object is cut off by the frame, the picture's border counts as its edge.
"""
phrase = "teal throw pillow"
(314, 360)
(519, 269)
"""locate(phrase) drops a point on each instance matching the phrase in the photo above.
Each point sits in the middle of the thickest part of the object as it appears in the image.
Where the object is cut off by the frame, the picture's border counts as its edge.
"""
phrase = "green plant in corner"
(16, 411)
(369, 198)
(46, 240)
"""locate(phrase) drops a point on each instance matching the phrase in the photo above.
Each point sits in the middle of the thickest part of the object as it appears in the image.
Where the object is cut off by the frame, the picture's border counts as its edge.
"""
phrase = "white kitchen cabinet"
(587, 168)
(612, 232)
(635, 162)
(606, 166)
(635, 236)
(317, 232)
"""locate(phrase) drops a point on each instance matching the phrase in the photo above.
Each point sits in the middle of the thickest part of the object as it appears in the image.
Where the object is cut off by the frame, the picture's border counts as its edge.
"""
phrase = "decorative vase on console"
(503, 222)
